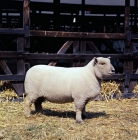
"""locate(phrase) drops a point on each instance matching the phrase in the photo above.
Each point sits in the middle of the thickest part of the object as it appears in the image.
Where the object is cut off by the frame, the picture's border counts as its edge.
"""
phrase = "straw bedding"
(115, 119)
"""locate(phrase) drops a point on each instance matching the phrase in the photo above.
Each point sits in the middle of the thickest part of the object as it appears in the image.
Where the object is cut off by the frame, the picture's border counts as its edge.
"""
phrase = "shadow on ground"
(71, 114)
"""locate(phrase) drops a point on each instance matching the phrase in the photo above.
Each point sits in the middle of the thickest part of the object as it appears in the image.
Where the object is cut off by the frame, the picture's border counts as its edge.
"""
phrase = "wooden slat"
(134, 36)
(75, 51)
(82, 51)
(62, 50)
(11, 54)
(122, 77)
(93, 47)
(20, 65)
(12, 77)
(16, 31)
(22, 77)
(27, 56)
(128, 65)
(26, 22)
(5, 67)
(78, 56)
(77, 34)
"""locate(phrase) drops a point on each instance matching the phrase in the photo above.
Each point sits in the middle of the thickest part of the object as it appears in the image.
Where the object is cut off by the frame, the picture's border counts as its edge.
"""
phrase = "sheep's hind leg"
(38, 104)
(27, 106)
(84, 114)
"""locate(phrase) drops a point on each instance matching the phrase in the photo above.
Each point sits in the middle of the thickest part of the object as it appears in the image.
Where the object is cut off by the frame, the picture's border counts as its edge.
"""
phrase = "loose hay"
(135, 90)
(110, 89)
(107, 120)
(7, 92)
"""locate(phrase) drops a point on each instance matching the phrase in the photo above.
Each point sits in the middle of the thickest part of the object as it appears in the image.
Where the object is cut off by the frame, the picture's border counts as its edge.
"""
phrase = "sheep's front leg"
(27, 106)
(78, 116)
(79, 107)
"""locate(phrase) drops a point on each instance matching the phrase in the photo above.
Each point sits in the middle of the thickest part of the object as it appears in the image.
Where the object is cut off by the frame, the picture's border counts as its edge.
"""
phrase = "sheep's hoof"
(27, 115)
(79, 121)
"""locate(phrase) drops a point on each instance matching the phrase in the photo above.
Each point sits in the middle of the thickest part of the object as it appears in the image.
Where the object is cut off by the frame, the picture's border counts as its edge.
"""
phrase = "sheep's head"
(102, 67)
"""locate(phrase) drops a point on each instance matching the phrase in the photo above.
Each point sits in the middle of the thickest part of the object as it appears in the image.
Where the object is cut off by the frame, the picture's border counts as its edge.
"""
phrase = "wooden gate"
(79, 40)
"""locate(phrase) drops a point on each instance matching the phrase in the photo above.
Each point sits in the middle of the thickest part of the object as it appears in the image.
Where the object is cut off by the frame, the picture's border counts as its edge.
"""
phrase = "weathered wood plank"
(31, 56)
(78, 56)
(5, 67)
(56, 15)
(26, 22)
(20, 44)
(75, 51)
(10, 54)
(12, 77)
(128, 65)
(77, 34)
(133, 77)
(22, 77)
(93, 47)
(134, 36)
(20, 65)
(62, 50)
(82, 51)
(17, 31)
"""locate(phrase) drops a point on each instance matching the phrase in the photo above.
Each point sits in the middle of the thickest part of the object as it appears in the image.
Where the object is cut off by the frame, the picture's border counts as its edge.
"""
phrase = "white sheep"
(63, 85)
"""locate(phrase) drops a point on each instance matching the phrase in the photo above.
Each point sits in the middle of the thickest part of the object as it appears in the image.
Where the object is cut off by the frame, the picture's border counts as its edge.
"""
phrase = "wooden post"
(23, 43)
(20, 65)
(56, 15)
(26, 26)
(26, 22)
(104, 27)
(118, 24)
(0, 15)
(83, 14)
(83, 51)
(128, 65)
(135, 17)
(75, 51)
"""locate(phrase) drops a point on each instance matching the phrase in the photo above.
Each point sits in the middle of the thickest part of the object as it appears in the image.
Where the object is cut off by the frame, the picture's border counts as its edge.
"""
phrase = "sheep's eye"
(102, 63)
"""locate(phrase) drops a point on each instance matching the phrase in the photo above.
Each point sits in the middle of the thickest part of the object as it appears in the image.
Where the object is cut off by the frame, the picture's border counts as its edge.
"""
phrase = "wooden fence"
(23, 56)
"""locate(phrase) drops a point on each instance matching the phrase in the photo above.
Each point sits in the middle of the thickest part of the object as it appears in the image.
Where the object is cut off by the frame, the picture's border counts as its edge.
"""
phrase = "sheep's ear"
(95, 61)
(109, 57)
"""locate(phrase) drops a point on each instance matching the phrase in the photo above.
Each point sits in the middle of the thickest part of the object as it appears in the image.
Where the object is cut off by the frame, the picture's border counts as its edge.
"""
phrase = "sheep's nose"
(113, 71)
